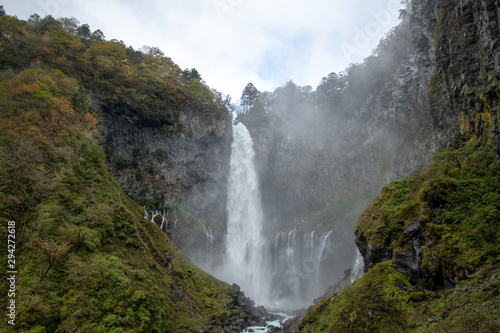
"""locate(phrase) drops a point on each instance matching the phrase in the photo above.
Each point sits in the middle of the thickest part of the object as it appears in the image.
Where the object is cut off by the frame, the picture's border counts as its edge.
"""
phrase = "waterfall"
(302, 267)
(358, 269)
(323, 244)
(245, 260)
(210, 242)
(154, 213)
(175, 224)
(282, 270)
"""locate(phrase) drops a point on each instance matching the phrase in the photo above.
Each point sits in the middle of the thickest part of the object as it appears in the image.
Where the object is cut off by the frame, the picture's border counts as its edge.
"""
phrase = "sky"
(234, 42)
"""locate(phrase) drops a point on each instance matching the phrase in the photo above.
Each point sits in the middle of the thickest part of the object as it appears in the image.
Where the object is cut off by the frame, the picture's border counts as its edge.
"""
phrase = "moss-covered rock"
(376, 301)
(441, 229)
(445, 219)
(384, 301)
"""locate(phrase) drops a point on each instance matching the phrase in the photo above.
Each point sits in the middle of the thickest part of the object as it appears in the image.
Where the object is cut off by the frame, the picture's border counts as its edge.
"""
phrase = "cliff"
(429, 241)
(430, 245)
(462, 92)
(85, 257)
(432, 82)
(177, 168)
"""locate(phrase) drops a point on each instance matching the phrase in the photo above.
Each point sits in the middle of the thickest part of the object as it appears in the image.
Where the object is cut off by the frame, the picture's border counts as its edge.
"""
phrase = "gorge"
(138, 192)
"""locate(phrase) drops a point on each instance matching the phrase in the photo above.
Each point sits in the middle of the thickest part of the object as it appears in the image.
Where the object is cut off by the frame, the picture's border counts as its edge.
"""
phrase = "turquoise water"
(276, 323)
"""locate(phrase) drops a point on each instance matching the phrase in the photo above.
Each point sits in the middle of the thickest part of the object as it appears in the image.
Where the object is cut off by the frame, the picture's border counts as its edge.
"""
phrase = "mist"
(321, 156)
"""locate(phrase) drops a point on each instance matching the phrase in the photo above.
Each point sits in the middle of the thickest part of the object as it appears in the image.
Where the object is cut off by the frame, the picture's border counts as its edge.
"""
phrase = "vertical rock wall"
(180, 165)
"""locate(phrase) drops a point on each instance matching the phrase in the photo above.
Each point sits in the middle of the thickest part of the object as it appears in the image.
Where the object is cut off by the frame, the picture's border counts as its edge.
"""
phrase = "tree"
(83, 31)
(46, 24)
(98, 34)
(329, 84)
(133, 55)
(329, 91)
(50, 251)
(69, 24)
(21, 180)
(249, 97)
(34, 18)
(191, 74)
(2, 11)
(261, 104)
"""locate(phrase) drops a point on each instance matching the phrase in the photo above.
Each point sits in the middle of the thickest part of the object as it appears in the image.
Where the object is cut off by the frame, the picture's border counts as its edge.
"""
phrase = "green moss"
(392, 211)
(438, 29)
(490, 5)
(435, 84)
(375, 303)
(384, 301)
(457, 203)
(472, 306)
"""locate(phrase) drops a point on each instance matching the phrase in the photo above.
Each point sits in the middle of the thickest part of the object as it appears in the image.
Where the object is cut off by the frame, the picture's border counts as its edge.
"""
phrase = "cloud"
(233, 42)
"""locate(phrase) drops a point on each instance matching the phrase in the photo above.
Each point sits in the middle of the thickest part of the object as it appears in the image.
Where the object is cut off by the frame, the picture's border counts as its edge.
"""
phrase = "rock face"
(458, 45)
(410, 262)
(468, 70)
(434, 82)
(438, 86)
(178, 162)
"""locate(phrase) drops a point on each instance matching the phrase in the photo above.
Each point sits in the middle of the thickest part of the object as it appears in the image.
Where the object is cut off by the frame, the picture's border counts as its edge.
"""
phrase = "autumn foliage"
(146, 79)
(50, 251)
(87, 259)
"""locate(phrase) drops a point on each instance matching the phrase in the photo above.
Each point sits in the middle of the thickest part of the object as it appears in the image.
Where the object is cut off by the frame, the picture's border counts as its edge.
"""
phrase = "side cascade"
(358, 268)
(210, 243)
(163, 224)
(297, 268)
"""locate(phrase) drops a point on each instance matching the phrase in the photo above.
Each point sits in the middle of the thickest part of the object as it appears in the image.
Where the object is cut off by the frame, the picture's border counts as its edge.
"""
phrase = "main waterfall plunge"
(244, 261)
(282, 270)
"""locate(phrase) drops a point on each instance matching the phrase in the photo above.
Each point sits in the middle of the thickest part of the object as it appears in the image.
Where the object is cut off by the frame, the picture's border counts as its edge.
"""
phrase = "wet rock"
(161, 160)
(376, 254)
(241, 323)
(404, 262)
(413, 227)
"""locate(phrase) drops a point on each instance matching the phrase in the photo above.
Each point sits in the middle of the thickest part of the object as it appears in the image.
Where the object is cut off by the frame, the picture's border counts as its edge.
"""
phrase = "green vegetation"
(389, 213)
(457, 201)
(380, 302)
(86, 258)
(384, 301)
(146, 80)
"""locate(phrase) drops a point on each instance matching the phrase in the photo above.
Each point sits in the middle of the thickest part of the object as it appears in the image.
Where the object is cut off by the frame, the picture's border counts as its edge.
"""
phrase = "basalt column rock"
(178, 164)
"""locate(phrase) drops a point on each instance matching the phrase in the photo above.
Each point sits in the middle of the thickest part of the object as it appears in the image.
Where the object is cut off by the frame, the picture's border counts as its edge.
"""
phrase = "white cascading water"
(154, 213)
(359, 266)
(245, 263)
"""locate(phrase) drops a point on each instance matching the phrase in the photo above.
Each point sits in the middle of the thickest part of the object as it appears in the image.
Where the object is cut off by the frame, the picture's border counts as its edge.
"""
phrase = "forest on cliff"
(85, 257)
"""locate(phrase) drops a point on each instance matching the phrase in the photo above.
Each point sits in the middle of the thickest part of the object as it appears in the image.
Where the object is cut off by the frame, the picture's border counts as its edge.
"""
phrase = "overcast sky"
(233, 42)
